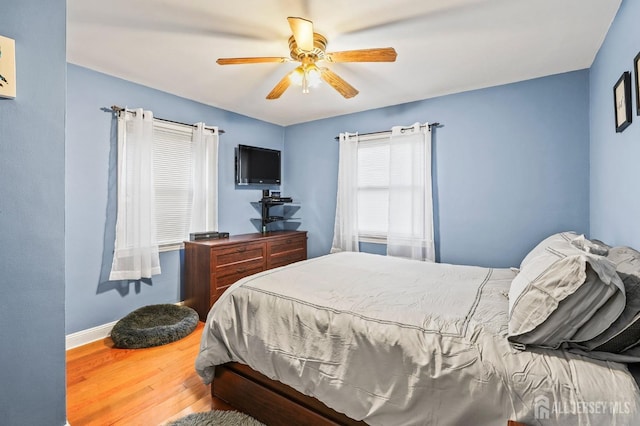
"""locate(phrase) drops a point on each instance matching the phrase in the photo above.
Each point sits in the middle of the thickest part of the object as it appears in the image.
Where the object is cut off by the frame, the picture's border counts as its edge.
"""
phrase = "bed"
(356, 338)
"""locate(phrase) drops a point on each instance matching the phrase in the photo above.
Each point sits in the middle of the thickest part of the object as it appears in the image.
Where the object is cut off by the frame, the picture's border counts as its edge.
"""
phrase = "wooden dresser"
(211, 266)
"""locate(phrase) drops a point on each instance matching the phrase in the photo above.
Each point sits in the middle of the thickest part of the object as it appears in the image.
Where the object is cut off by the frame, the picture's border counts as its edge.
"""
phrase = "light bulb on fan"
(306, 75)
(296, 76)
(313, 75)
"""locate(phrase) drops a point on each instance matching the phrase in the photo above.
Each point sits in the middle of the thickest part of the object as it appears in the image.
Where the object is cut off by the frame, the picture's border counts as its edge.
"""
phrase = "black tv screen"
(256, 165)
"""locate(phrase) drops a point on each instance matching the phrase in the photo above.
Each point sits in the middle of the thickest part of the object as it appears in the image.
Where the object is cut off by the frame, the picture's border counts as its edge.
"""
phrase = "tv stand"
(267, 203)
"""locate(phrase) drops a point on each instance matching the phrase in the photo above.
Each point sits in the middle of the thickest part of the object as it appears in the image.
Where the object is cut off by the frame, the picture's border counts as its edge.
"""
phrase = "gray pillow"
(624, 333)
(563, 294)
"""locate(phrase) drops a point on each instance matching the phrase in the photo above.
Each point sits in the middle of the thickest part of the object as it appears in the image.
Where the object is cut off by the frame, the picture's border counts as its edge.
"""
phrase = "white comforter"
(399, 342)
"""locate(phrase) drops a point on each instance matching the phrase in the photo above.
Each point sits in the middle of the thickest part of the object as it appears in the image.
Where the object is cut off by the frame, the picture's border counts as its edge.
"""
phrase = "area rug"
(216, 418)
(154, 325)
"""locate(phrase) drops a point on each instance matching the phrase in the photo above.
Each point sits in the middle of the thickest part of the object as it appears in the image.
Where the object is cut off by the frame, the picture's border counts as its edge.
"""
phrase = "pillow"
(563, 294)
(624, 333)
(590, 246)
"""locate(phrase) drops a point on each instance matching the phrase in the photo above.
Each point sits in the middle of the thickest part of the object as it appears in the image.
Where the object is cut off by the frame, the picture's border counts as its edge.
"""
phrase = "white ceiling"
(444, 47)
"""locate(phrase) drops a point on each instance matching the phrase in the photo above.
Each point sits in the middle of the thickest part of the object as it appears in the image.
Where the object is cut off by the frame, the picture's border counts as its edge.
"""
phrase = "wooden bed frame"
(275, 403)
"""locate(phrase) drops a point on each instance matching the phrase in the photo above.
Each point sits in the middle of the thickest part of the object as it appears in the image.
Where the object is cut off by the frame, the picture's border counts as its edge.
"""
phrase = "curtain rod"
(116, 108)
(436, 124)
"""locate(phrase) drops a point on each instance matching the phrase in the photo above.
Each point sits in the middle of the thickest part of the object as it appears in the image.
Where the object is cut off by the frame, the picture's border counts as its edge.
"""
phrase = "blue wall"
(511, 165)
(91, 299)
(32, 203)
(615, 189)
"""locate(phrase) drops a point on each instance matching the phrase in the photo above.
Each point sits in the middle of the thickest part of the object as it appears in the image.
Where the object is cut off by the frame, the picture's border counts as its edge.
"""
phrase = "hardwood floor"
(109, 386)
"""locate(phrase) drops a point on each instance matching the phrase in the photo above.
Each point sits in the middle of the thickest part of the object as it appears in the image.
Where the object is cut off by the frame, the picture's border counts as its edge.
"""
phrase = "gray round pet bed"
(154, 325)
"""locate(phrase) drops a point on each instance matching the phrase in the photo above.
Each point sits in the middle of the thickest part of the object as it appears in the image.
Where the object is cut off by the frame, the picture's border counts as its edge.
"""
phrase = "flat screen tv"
(256, 165)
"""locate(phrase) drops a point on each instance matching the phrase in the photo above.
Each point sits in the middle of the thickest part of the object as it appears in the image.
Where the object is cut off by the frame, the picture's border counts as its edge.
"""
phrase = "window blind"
(173, 181)
(373, 188)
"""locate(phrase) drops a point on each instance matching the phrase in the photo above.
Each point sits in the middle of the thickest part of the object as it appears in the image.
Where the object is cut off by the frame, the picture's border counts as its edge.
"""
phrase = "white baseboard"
(83, 337)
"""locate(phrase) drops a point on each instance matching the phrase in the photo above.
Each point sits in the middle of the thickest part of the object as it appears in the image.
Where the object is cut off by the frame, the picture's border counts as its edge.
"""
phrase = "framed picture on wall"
(622, 101)
(636, 67)
(7, 67)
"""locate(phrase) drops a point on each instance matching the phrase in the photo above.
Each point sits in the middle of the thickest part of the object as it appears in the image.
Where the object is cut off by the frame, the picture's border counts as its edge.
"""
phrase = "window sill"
(170, 247)
(372, 239)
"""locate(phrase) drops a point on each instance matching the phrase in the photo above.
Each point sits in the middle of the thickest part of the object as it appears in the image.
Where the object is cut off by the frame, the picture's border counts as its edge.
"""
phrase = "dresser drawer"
(228, 274)
(285, 258)
(237, 253)
(220, 284)
(286, 244)
(283, 251)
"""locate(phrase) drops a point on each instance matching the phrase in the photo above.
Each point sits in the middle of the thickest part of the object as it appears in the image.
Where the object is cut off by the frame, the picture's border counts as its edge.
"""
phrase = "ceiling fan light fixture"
(306, 76)
(309, 48)
(296, 76)
(312, 74)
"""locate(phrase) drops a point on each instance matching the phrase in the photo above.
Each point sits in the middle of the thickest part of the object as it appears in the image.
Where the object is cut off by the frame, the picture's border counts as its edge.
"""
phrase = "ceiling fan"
(309, 48)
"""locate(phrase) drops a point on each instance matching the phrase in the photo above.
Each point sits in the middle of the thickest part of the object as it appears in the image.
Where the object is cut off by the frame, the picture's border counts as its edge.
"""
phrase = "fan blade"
(256, 60)
(302, 32)
(282, 85)
(335, 81)
(384, 54)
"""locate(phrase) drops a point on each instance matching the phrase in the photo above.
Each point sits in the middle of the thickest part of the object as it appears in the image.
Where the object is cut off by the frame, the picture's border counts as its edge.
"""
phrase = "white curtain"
(136, 249)
(204, 210)
(410, 232)
(345, 233)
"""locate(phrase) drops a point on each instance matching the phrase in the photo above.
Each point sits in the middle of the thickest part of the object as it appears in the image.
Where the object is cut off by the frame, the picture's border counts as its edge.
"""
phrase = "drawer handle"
(289, 241)
(241, 270)
(241, 249)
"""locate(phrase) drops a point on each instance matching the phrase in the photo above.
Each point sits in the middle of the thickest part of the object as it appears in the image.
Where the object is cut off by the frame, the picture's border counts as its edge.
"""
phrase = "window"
(167, 185)
(384, 192)
(173, 161)
(373, 189)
